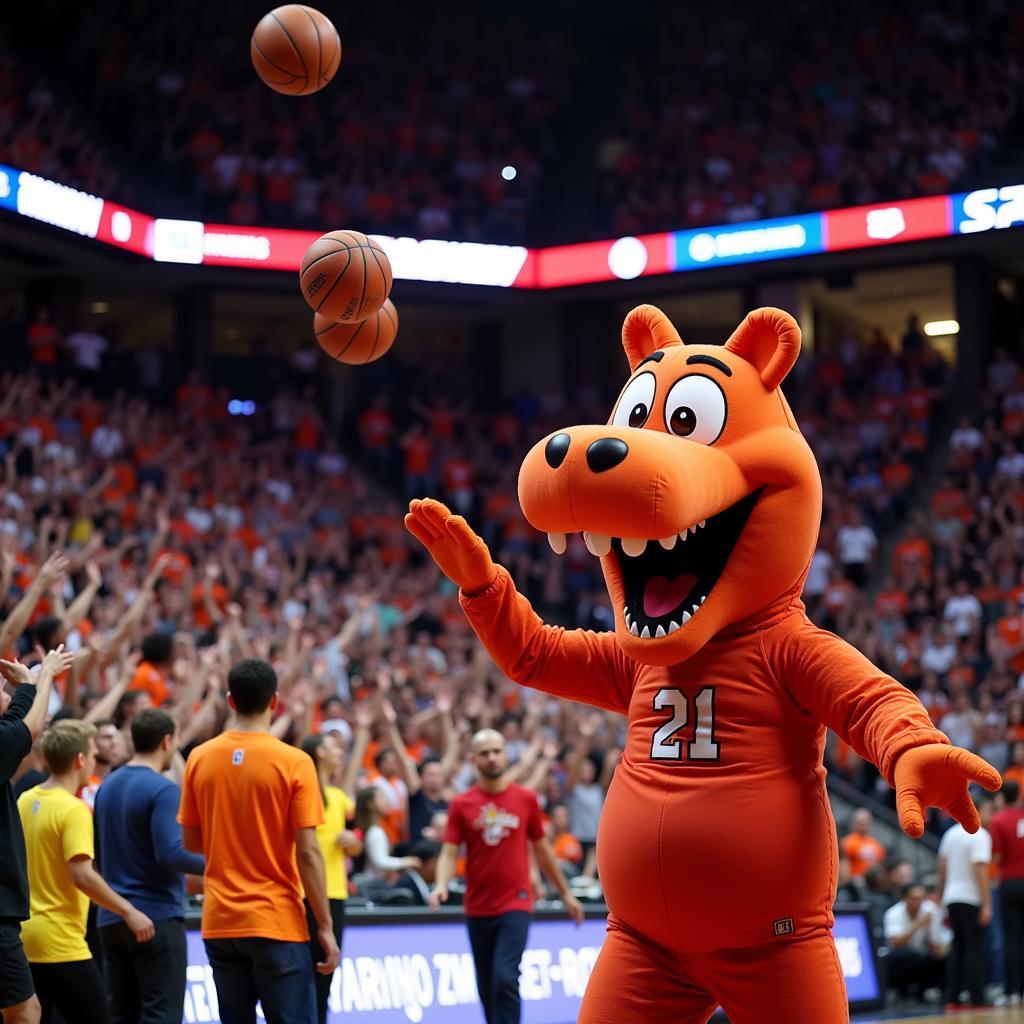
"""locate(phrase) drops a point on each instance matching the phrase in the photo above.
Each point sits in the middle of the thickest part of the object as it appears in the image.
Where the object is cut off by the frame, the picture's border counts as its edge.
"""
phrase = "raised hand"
(57, 662)
(15, 673)
(364, 715)
(459, 553)
(54, 570)
(936, 775)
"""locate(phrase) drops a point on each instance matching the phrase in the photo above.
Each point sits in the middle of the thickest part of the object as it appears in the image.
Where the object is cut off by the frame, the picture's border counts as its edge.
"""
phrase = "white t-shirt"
(856, 543)
(817, 575)
(964, 611)
(897, 921)
(88, 349)
(962, 851)
(966, 439)
(1010, 465)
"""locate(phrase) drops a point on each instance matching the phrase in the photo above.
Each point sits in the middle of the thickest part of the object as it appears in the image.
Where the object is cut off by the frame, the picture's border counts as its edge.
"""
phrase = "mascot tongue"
(662, 595)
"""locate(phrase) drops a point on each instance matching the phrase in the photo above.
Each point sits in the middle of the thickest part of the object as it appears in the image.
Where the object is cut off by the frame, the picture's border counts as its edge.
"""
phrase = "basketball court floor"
(1001, 1015)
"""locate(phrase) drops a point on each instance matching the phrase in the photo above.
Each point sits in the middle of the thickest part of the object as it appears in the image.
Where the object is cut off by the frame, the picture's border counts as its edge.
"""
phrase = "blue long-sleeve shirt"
(139, 843)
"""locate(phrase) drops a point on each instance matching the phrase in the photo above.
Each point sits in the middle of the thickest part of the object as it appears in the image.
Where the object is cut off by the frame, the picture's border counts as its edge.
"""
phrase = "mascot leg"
(636, 981)
(779, 983)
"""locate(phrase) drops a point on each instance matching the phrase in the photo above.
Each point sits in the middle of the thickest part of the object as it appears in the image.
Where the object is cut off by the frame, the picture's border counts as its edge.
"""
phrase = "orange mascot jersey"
(717, 848)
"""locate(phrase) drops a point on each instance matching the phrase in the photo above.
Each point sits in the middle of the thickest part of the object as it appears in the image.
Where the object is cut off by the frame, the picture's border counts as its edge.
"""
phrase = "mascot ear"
(646, 330)
(770, 339)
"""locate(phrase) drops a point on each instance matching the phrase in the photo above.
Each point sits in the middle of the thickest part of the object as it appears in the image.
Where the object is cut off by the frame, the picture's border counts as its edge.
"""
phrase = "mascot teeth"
(597, 543)
(633, 629)
(634, 548)
(557, 542)
(668, 543)
(673, 626)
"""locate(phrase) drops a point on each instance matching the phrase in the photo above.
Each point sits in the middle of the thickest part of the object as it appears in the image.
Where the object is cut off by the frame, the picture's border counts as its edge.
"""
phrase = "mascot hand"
(937, 775)
(460, 554)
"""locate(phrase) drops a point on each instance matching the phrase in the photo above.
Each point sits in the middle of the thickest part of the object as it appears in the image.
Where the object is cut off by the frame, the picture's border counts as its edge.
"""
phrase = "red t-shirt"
(495, 829)
(1007, 830)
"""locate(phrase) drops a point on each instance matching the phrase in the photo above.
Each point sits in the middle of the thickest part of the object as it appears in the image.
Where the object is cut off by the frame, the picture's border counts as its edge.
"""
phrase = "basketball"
(345, 276)
(357, 343)
(295, 50)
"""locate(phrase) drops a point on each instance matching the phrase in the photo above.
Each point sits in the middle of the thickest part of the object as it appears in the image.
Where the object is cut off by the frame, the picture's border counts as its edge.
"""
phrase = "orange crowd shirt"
(249, 793)
(152, 680)
(862, 852)
(721, 778)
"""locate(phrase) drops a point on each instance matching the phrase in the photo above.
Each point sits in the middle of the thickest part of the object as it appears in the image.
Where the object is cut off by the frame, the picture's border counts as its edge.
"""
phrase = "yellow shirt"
(337, 808)
(58, 828)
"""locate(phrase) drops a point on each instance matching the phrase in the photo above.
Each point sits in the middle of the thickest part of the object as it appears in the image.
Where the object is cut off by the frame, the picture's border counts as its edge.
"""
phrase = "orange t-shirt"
(250, 793)
(862, 852)
(567, 847)
(153, 680)
(1011, 632)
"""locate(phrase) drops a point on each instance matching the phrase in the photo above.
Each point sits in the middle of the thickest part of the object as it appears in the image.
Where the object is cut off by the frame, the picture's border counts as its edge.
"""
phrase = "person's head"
(985, 809)
(874, 878)
(370, 807)
(1017, 752)
(431, 777)
(325, 750)
(49, 632)
(490, 758)
(109, 745)
(252, 687)
(386, 762)
(428, 851)
(1011, 792)
(560, 819)
(69, 748)
(157, 648)
(331, 708)
(901, 874)
(914, 895)
(435, 830)
(153, 732)
(861, 821)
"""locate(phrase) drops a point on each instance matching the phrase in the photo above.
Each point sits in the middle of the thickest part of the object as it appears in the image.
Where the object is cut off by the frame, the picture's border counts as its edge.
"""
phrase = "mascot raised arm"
(717, 847)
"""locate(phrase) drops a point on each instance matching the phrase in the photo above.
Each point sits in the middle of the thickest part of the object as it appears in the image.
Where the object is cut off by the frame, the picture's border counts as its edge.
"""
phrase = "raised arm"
(131, 619)
(577, 664)
(406, 765)
(881, 719)
(79, 608)
(360, 740)
(581, 751)
(53, 571)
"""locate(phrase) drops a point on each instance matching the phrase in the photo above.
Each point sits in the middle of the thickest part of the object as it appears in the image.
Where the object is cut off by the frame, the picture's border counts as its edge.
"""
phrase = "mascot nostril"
(556, 450)
(606, 453)
(705, 535)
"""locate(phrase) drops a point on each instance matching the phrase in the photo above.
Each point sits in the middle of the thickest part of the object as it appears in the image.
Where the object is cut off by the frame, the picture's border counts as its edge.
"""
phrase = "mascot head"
(700, 495)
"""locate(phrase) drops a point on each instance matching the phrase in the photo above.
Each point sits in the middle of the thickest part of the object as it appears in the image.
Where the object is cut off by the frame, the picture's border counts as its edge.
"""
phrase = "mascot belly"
(717, 847)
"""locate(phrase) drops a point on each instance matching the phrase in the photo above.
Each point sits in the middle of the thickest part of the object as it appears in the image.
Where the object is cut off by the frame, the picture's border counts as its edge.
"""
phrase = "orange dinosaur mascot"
(717, 848)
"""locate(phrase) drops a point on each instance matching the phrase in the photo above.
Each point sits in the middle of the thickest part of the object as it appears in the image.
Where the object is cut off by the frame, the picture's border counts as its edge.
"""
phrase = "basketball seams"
(341, 274)
(383, 270)
(336, 59)
(376, 340)
(348, 344)
(362, 294)
(333, 252)
(319, 45)
(291, 42)
(277, 67)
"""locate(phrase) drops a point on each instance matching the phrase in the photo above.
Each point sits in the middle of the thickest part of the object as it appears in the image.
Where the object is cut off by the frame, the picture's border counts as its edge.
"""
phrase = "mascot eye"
(695, 409)
(634, 405)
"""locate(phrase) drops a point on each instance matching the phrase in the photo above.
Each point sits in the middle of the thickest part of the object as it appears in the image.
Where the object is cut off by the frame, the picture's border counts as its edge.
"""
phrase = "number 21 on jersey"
(703, 746)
